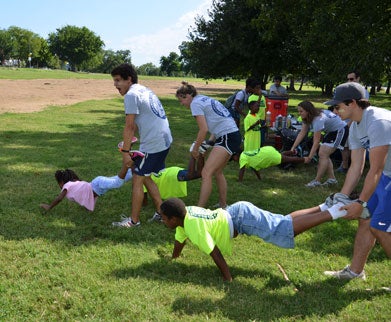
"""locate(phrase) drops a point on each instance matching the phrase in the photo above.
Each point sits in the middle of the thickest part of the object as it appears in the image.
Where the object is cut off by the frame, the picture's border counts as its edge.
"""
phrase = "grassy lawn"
(71, 265)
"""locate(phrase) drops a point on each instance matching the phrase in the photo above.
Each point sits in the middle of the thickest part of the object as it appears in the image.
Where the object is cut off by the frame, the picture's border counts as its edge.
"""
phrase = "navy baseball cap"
(347, 91)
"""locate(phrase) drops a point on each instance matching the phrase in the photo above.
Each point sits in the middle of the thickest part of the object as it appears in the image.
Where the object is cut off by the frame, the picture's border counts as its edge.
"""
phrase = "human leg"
(215, 163)
(325, 164)
(384, 238)
(153, 192)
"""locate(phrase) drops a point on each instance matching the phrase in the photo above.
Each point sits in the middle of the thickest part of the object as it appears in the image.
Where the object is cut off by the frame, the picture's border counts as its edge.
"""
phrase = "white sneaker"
(203, 147)
(313, 184)
(329, 182)
(346, 274)
(156, 217)
(342, 198)
(125, 222)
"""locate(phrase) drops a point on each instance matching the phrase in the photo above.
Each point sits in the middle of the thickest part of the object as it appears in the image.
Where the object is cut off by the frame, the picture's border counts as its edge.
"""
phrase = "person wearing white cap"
(370, 130)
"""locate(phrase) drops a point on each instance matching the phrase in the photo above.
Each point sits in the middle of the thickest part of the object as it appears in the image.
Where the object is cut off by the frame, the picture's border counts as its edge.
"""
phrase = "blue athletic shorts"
(230, 142)
(272, 228)
(379, 205)
(152, 163)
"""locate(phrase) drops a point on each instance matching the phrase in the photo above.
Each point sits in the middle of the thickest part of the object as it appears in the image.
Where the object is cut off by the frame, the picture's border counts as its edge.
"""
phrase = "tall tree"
(5, 45)
(75, 45)
(25, 44)
(170, 65)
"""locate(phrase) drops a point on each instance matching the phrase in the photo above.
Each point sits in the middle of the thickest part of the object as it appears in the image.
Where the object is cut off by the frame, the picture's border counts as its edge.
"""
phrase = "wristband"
(125, 151)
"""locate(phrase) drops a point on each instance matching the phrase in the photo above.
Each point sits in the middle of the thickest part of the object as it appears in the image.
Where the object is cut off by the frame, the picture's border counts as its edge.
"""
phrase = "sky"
(148, 28)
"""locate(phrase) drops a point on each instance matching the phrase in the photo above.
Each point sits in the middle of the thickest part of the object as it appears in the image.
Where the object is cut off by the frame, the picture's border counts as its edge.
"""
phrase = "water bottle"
(279, 122)
(283, 122)
(289, 121)
(268, 118)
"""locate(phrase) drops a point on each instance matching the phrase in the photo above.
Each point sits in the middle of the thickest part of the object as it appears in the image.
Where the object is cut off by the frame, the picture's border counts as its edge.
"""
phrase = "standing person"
(145, 113)
(239, 104)
(370, 129)
(277, 89)
(352, 76)
(212, 231)
(212, 117)
(252, 126)
(335, 138)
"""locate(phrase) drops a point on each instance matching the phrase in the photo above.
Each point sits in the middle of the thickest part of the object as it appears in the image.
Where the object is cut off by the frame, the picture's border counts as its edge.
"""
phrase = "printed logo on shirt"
(219, 108)
(156, 106)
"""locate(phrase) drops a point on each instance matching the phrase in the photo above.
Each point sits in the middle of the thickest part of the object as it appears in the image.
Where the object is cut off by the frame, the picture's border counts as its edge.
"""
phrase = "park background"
(70, 264)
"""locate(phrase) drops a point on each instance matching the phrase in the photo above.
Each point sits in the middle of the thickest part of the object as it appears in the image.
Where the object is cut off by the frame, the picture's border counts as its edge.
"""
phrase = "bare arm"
(202, 131)
(221, 264)
(300, 136)
(237, 108)
(128, 133)
(377, 160)
(315, 145)
(55, 202)
(355, 171)
(177, 249)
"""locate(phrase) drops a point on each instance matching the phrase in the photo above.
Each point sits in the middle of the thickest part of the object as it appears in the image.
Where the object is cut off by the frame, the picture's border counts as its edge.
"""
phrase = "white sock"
(335, 212)
(323, 207)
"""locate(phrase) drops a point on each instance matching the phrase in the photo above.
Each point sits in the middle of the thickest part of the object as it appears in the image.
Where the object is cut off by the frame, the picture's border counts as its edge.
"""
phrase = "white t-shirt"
(151, 119)
(218, 118)
(328, 122)
(241, 96)
(373, 130)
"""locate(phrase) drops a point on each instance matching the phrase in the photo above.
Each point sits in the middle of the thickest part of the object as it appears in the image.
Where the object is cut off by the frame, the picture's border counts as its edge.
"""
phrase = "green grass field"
(71, 265)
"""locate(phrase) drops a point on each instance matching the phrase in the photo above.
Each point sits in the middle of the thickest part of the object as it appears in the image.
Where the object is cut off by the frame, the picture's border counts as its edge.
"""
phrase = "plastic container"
(276, 105)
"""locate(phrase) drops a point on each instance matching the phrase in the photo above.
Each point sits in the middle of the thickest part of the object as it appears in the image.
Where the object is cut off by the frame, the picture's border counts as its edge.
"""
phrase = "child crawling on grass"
(86, 193)
(212, 230)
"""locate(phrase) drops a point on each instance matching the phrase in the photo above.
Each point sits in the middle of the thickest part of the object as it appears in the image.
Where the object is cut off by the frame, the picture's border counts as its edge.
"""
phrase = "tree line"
(314, 41)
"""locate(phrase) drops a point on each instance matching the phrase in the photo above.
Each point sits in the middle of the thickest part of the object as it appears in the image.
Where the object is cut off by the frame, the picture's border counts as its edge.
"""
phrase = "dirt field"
(24, 96)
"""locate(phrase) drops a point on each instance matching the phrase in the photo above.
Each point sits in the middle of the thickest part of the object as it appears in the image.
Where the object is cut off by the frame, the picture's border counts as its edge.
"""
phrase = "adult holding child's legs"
(370, 129)
(212, 117)
(145, 113)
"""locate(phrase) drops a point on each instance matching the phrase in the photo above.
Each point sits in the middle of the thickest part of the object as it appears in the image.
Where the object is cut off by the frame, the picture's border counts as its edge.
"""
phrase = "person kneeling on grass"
(212, 230)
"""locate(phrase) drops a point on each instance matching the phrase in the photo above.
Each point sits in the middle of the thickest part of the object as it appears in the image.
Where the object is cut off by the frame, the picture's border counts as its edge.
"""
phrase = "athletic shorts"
(152, 163)
(253, 221)
(336, 139)
(230, 142)
(379, 205)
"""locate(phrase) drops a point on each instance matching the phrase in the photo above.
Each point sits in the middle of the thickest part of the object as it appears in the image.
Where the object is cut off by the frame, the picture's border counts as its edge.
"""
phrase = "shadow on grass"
(276, 299)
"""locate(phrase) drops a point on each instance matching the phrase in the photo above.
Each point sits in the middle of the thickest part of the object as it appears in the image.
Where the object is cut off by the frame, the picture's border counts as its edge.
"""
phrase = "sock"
(335, 212)
(323, 207)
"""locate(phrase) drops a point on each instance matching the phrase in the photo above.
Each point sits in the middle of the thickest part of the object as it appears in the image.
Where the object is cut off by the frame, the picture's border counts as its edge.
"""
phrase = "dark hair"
(277, 77)
(65, 176)
(125, 71)
(173, 207)
(311, 110)
(355, 72)
(186, 88)
(253, 82)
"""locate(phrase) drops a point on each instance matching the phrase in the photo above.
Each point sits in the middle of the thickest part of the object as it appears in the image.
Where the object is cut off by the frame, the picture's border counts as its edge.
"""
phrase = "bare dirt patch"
(24, 96)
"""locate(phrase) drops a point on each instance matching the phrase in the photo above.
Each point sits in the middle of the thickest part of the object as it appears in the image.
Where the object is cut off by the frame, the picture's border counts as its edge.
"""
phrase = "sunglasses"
(351, 79)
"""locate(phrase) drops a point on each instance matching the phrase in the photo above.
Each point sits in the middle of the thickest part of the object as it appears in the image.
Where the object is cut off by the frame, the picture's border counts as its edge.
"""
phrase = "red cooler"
(277, 105)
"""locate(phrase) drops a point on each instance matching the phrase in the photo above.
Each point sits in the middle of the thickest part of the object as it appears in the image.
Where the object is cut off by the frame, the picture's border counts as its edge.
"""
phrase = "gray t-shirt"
(151, 119)
(218, 118)
(241, 96)
(373, 130)
(328, 122)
